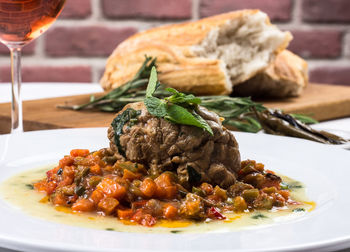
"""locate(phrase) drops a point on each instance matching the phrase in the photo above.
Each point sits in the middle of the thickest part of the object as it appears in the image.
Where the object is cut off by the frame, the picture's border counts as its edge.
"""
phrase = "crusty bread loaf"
(287, 76)
(208, 56)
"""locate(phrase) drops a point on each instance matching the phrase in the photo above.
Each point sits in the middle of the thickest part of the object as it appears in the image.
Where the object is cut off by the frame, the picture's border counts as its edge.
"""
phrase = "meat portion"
(193, 153)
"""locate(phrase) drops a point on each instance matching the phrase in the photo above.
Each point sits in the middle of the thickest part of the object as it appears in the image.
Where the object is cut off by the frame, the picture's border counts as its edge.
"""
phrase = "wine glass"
(21, 21)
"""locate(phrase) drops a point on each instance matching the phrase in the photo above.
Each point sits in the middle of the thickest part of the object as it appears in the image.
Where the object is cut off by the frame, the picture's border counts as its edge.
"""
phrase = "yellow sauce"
(18, 192)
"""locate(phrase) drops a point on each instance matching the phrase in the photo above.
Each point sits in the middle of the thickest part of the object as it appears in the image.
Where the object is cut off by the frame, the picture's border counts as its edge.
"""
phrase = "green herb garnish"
(178, 108)
(29, 186)
(299, 209)
(118, 124)
(239, 112)
(175, 231)
(293, 185)
(109, 229)
(258, 216)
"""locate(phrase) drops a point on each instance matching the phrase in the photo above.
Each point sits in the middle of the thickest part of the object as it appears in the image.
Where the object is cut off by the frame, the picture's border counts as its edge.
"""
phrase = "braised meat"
(193, 153)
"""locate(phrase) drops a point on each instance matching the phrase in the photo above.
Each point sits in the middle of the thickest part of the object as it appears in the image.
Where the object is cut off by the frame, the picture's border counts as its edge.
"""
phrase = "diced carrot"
(66, 161)
(148, 187)
(59, 199)
(269, 171)
(165, 187)
(107, 205)
(129, 175)
(111, 188)
(96, 196)
(125, 214)
(96, 169)
(169, 211)
(285, 194)
(41, 186)
(83, 205)
(79, 152)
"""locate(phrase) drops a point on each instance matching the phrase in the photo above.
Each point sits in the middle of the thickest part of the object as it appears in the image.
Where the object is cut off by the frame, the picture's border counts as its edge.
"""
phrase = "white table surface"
(32, 91)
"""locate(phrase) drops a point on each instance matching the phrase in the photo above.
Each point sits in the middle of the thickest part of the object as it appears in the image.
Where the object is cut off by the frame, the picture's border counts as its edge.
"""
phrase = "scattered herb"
(299, 209)
(118, 124)
(178, 108)
(175, 231)
(284, 186)
(60, 171)
(109, 229)
(79, 190)
(258, 216)
(29, 186)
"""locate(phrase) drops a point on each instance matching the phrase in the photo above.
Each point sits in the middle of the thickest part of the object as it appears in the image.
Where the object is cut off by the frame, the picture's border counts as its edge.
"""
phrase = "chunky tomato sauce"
(96, 182)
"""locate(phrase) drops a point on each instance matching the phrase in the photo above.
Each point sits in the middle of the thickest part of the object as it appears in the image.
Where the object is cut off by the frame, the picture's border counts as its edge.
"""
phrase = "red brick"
(326, 11)
(157, 9)
(50, 74)
(317, 44)
(278, 10)
(76, 9)
(84, 41)
(335, 75)
(27, 50)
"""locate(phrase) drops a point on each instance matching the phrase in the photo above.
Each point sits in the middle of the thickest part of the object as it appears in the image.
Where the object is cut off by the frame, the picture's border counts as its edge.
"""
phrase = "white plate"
(324, 170)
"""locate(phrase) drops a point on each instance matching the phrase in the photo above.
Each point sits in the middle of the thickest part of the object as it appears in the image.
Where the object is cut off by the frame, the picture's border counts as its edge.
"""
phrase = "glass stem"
(16, 108)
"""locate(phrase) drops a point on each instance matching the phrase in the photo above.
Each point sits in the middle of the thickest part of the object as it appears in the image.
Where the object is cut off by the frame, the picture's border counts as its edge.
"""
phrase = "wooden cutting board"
(323, 102)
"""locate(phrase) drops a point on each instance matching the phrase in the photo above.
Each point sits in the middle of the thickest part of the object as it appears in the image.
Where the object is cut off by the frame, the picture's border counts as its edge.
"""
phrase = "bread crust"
(177, 64)
(287, 76)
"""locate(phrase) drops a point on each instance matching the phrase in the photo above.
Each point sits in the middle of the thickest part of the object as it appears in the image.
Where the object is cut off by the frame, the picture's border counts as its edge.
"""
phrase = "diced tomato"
(143, 218)
(207, 188)
(83, 205)
(214, 213)
(139, 204)
(148, 187)
(79, 152)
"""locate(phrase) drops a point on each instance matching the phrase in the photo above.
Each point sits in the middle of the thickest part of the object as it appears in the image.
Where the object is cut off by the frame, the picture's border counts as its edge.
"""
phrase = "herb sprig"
(178, 108)
(238, 112)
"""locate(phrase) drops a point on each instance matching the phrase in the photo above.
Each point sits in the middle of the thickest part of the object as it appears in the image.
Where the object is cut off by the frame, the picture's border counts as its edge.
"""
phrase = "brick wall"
(75, 49)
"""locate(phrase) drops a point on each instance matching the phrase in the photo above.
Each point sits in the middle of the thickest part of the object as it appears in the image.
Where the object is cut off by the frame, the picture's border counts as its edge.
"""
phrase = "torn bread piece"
(205, 57)
(287, 76)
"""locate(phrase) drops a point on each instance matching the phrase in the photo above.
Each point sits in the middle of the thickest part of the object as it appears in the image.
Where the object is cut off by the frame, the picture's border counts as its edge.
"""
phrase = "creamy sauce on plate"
(18, 190)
